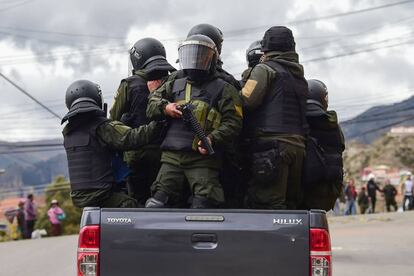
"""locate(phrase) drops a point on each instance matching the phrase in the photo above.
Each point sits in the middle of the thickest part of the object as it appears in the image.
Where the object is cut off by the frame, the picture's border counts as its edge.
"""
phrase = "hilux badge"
(285, 221)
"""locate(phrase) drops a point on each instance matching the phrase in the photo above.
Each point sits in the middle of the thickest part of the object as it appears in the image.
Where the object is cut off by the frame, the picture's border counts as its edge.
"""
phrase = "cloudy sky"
(366, 57)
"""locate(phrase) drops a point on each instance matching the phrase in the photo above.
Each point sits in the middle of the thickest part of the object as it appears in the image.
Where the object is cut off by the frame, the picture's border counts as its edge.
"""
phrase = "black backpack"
(322, 176)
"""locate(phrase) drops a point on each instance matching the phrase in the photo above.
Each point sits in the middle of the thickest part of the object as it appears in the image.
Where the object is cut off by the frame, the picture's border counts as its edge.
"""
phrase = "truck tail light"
(88, 251)
(320, 253)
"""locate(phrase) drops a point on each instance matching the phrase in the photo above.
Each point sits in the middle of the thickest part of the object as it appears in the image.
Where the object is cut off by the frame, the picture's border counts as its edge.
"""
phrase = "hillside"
(29, 154)
(392, 151)
(374, 122)
(31, 163)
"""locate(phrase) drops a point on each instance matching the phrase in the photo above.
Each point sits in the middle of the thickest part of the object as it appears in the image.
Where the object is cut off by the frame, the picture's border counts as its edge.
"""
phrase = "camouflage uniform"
(114, 136)
(201, 172)
(283, 191)
(145, 161)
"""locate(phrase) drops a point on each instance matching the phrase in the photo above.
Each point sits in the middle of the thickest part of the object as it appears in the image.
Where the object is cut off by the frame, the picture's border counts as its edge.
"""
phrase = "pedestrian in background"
(390, 193)
(372, 188)
(350, 197)
(363, 200)
(21, 219)
(407, 190)
(30, 214)
(56, 216)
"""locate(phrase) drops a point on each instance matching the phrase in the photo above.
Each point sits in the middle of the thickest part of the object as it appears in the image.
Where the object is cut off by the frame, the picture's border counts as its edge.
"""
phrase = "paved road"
(371, 245)
(45, 257)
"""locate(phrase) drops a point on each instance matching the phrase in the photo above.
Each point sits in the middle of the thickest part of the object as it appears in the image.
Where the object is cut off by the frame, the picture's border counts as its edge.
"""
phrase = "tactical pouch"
(200, 113)
(265, 161)
(213, 120)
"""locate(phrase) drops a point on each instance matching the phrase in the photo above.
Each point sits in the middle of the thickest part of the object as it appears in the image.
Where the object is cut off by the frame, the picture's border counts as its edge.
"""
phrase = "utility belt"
(265, 156)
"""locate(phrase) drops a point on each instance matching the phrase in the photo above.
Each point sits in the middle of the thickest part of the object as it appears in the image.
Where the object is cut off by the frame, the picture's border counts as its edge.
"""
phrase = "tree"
(60, 190)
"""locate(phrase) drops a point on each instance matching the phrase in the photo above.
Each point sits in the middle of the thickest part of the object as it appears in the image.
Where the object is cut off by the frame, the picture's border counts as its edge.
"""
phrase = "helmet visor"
(196, 55)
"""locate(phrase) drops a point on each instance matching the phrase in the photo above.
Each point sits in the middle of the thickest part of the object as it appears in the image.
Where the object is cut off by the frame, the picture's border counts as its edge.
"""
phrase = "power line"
(303, 21)
(32, 145)
(351, 53)
(229, 32)
(382, 127)
(30, 151)
(30, 96)
(375, 115)
(64, 33)
(17, 5)
(314, 19)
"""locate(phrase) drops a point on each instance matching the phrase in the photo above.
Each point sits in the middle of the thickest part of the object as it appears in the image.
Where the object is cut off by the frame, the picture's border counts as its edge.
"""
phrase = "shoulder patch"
(249, 87)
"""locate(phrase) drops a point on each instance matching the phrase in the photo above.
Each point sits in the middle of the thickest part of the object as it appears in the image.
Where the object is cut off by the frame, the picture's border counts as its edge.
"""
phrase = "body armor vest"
(284, 107)
(89, 163)
(205, 97)
(138, 92)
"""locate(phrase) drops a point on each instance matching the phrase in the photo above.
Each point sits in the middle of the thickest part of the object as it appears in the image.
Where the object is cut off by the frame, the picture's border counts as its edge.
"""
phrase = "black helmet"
(149, 54)
(197, 52)
(253, 53)
(278, 38)
(83, 96)
(208, 30)
(318, 93)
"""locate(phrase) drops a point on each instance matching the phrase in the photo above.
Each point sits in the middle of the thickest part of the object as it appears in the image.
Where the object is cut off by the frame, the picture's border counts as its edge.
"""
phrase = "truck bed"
(203, 242)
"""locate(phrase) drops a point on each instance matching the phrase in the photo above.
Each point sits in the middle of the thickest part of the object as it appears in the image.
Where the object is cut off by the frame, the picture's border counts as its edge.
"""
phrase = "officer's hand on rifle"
(202, 150)
(172, 110)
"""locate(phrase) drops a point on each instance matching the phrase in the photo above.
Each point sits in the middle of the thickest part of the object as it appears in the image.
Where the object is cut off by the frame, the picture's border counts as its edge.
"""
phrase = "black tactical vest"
(179, 136)
(284, 107)
(89, 163)
(138, 93)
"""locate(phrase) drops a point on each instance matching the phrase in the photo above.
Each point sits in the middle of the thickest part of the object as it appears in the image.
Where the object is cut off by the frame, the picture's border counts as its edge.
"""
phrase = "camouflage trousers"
(177, 182)
(282, 190)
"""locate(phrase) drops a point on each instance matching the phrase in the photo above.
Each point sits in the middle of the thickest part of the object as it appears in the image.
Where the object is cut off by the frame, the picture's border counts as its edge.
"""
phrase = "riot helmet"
(197, 52)
(278, 38)
(83, 96)
(318, 93)
(254, 53)
(149, 54)
(211, 31)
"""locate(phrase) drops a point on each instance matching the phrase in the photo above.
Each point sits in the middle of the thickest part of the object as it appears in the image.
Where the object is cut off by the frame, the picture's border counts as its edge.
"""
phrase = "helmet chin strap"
(105, 109)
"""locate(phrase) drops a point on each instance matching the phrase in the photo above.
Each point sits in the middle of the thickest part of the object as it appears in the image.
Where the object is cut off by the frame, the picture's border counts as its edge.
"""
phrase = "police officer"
(230, 174)
(217, 108)
(327, 134)
(274, 98)
(253, 55)
(149, 64)
(90, 141)
(216, 35)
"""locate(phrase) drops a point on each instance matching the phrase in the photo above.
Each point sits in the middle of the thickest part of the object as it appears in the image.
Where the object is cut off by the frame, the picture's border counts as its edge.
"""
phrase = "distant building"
(401, 131)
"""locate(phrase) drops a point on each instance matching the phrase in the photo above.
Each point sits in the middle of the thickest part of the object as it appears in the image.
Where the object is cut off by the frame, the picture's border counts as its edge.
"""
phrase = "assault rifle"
(191, 121)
